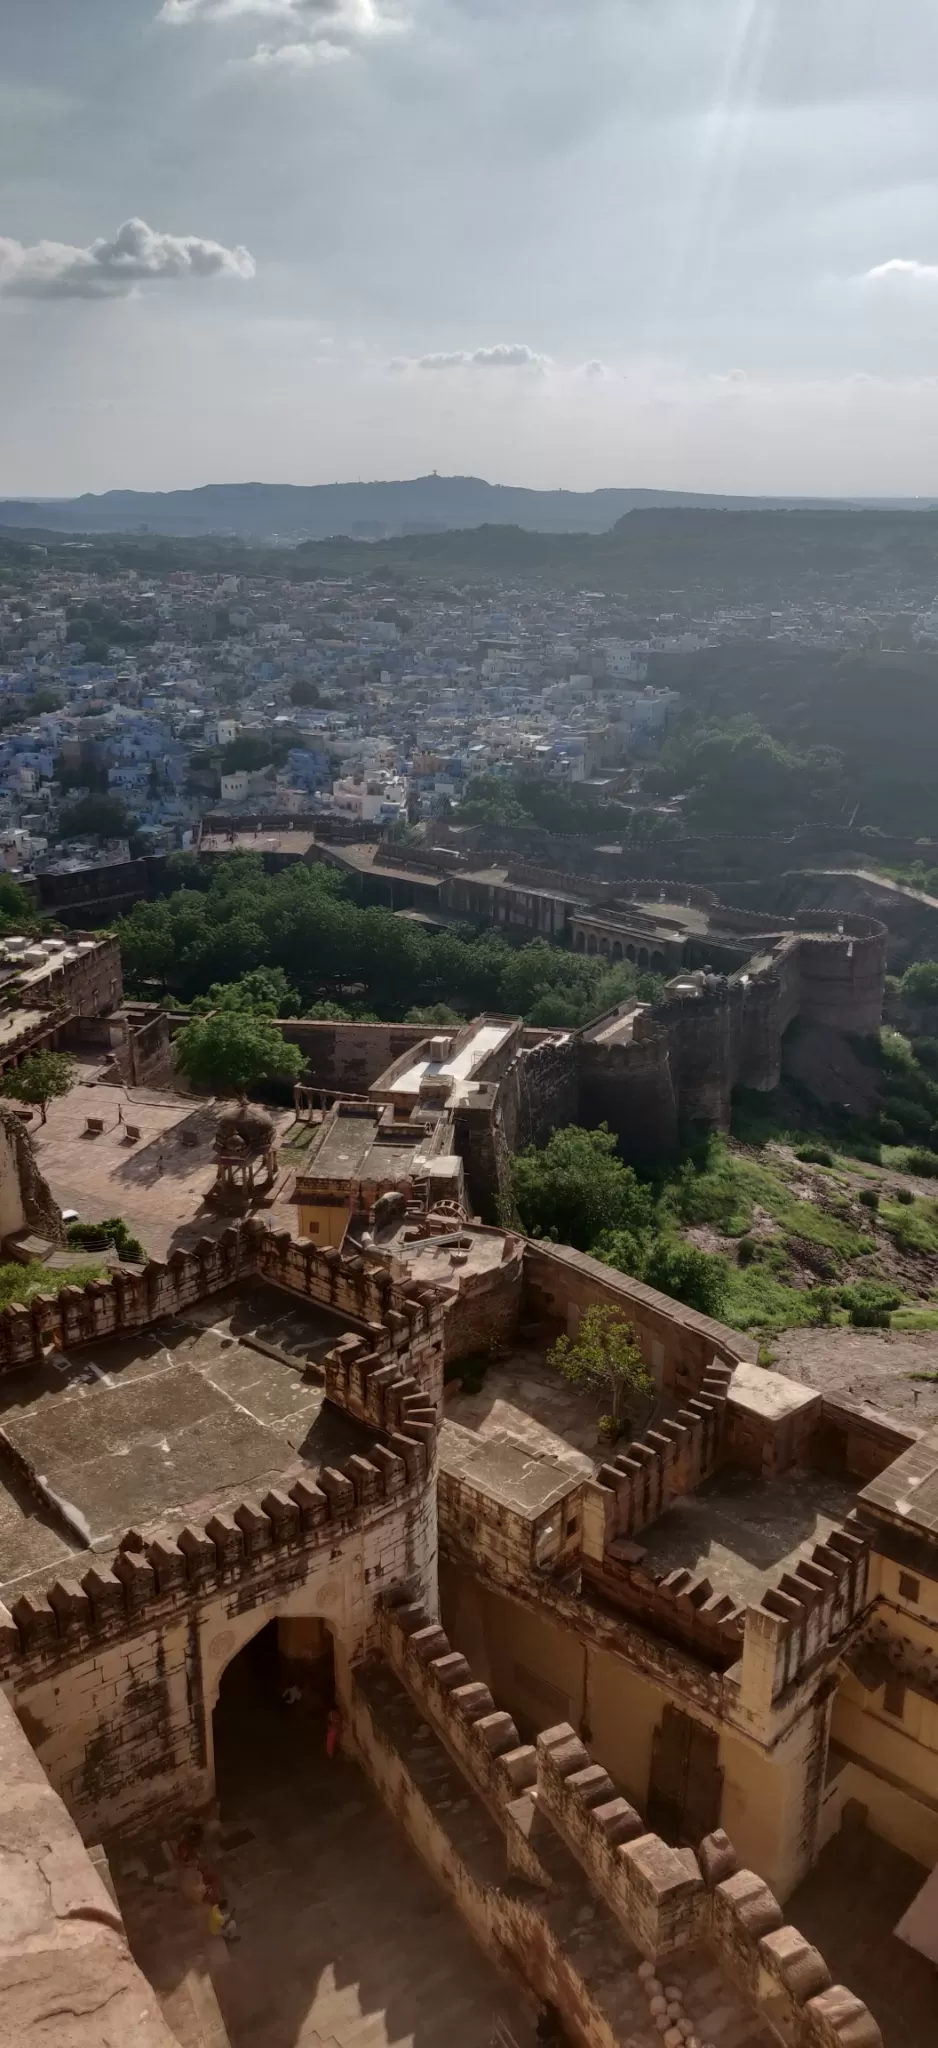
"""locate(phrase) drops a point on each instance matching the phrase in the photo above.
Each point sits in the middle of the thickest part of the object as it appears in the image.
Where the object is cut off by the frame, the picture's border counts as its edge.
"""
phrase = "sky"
(682, 244)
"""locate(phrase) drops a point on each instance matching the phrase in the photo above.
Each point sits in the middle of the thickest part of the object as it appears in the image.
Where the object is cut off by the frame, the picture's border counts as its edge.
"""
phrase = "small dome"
(246, 1128)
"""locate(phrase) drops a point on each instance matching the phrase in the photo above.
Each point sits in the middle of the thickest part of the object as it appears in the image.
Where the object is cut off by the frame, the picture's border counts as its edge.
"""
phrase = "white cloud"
(508, 355)
(111, 269)
(594, 368)
(299, 57)
(503, 355)
(903, 270)
(319, 31)
(455, 359)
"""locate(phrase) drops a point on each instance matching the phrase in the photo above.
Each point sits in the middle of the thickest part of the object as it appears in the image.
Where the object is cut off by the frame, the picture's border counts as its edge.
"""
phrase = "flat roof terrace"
(171, 1424)
(742, 1531)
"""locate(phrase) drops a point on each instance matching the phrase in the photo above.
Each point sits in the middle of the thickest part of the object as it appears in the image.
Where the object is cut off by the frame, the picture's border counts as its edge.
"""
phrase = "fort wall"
(115, 1671)
(588, 1858)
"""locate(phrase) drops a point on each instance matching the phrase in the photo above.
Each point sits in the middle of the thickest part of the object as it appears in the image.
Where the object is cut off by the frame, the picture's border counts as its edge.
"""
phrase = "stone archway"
(617, 949)
(581, 942)
(273, 1701)
(591, 943)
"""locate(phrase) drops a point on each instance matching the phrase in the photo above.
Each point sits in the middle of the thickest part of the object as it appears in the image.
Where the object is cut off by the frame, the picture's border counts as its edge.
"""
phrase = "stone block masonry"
(578, 1857)
(67, 1977)
(393, 1316)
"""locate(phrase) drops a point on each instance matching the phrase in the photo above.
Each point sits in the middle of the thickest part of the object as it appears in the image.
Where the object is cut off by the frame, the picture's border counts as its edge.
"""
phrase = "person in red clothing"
(333, 1729)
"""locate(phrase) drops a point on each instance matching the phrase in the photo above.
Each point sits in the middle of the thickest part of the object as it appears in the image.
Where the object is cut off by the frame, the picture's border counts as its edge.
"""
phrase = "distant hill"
(422, 505)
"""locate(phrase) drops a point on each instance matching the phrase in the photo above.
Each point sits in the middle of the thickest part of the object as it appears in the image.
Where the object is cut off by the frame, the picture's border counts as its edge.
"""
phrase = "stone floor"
(346, 1941)
(526, 1397)
(158, 1184)
(856, 1893)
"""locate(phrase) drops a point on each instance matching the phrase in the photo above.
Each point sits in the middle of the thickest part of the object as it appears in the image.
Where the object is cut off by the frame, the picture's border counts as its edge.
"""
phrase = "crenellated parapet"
(682, 1912)
(798, 1620)
(153, 1575)
(131, 1297)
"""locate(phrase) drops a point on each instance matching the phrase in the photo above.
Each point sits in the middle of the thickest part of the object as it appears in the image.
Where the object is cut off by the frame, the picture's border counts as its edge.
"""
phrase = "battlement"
(151, 1575)
(133, 1296)
(798, 1620)
(670, 1903)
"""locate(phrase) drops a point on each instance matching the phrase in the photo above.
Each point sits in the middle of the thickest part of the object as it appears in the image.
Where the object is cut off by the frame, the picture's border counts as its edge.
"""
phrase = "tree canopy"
(39, 1078)
(234, 1051)
(603, 1358)
(230, 918)
(577, 1187)
(97, 817)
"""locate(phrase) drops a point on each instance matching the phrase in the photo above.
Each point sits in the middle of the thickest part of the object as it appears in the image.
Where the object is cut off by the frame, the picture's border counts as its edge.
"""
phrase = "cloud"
(503, 355)
(508, 355)
(299, 57)
(903, 270)
(111, 269)
(319, 31)
(454, 360)
(594, 368)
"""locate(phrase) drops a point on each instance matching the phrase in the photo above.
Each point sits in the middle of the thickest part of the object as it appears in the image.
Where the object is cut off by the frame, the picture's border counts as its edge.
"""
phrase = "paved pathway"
(347, 1942)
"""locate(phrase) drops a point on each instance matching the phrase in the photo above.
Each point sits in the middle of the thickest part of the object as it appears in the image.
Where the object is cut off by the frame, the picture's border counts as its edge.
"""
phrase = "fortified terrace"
(639, 1740)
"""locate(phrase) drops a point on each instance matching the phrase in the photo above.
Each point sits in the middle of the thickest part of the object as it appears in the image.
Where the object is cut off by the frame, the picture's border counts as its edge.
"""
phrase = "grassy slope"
(784, 1227)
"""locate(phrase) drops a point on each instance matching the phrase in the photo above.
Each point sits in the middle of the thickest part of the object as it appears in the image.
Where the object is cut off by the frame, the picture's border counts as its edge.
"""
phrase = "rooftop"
(517, 1475)
(159, 1183)
(171, 1424)
(741, 1530)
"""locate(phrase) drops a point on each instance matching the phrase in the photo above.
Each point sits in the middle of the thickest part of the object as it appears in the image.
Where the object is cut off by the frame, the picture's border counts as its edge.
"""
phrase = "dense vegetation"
(762, 1239)
(762, 558)
(339, 960)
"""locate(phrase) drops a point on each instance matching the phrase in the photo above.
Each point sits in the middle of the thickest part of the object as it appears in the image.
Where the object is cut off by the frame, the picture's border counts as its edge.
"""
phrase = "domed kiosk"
(245, 1155)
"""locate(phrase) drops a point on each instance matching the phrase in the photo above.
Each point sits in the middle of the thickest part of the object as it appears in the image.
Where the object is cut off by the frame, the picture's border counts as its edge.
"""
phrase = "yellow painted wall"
(617, 1709)
(895, 1815)
(326, 1226)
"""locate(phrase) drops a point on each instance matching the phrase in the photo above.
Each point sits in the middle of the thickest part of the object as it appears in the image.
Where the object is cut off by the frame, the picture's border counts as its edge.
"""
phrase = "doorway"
(269, 1721)
(685, 1789)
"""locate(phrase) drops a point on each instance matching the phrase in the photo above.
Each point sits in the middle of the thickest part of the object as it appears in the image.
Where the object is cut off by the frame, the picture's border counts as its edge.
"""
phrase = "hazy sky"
(685, 243)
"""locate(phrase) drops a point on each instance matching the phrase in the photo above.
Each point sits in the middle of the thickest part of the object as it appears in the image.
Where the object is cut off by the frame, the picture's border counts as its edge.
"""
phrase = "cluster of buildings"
(194, 691)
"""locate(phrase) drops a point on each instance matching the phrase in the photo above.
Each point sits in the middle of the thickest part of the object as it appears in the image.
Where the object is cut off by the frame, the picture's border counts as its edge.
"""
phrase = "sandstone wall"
(678, 1345)
(67, 1977)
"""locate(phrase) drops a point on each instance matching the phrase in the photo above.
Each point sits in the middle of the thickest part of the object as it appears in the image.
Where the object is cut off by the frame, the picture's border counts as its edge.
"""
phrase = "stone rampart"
(67, 1977)
(669, 1903)
(393, 1316)
(798, 1620)
(679, 1346)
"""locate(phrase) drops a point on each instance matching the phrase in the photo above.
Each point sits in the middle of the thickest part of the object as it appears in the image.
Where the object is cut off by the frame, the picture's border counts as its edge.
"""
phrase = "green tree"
(96, 817)
(920, 981)
(17, 908)
(576, 1188)
(39, 1078)
(263, 992)
(304, 692)
(604, 1359)
(698, 1279)
(233, 1051)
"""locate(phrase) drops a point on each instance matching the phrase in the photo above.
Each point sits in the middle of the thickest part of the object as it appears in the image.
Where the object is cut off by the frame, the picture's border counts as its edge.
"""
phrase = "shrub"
(815, 1155)
(870, 1318)
(823, 1301)
(113, 1231)
(746, 1250)
(874, 1295)
(889, 1130)
(697, 1278)
(869, 1198)
(905, 1196)
(923, 1163)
